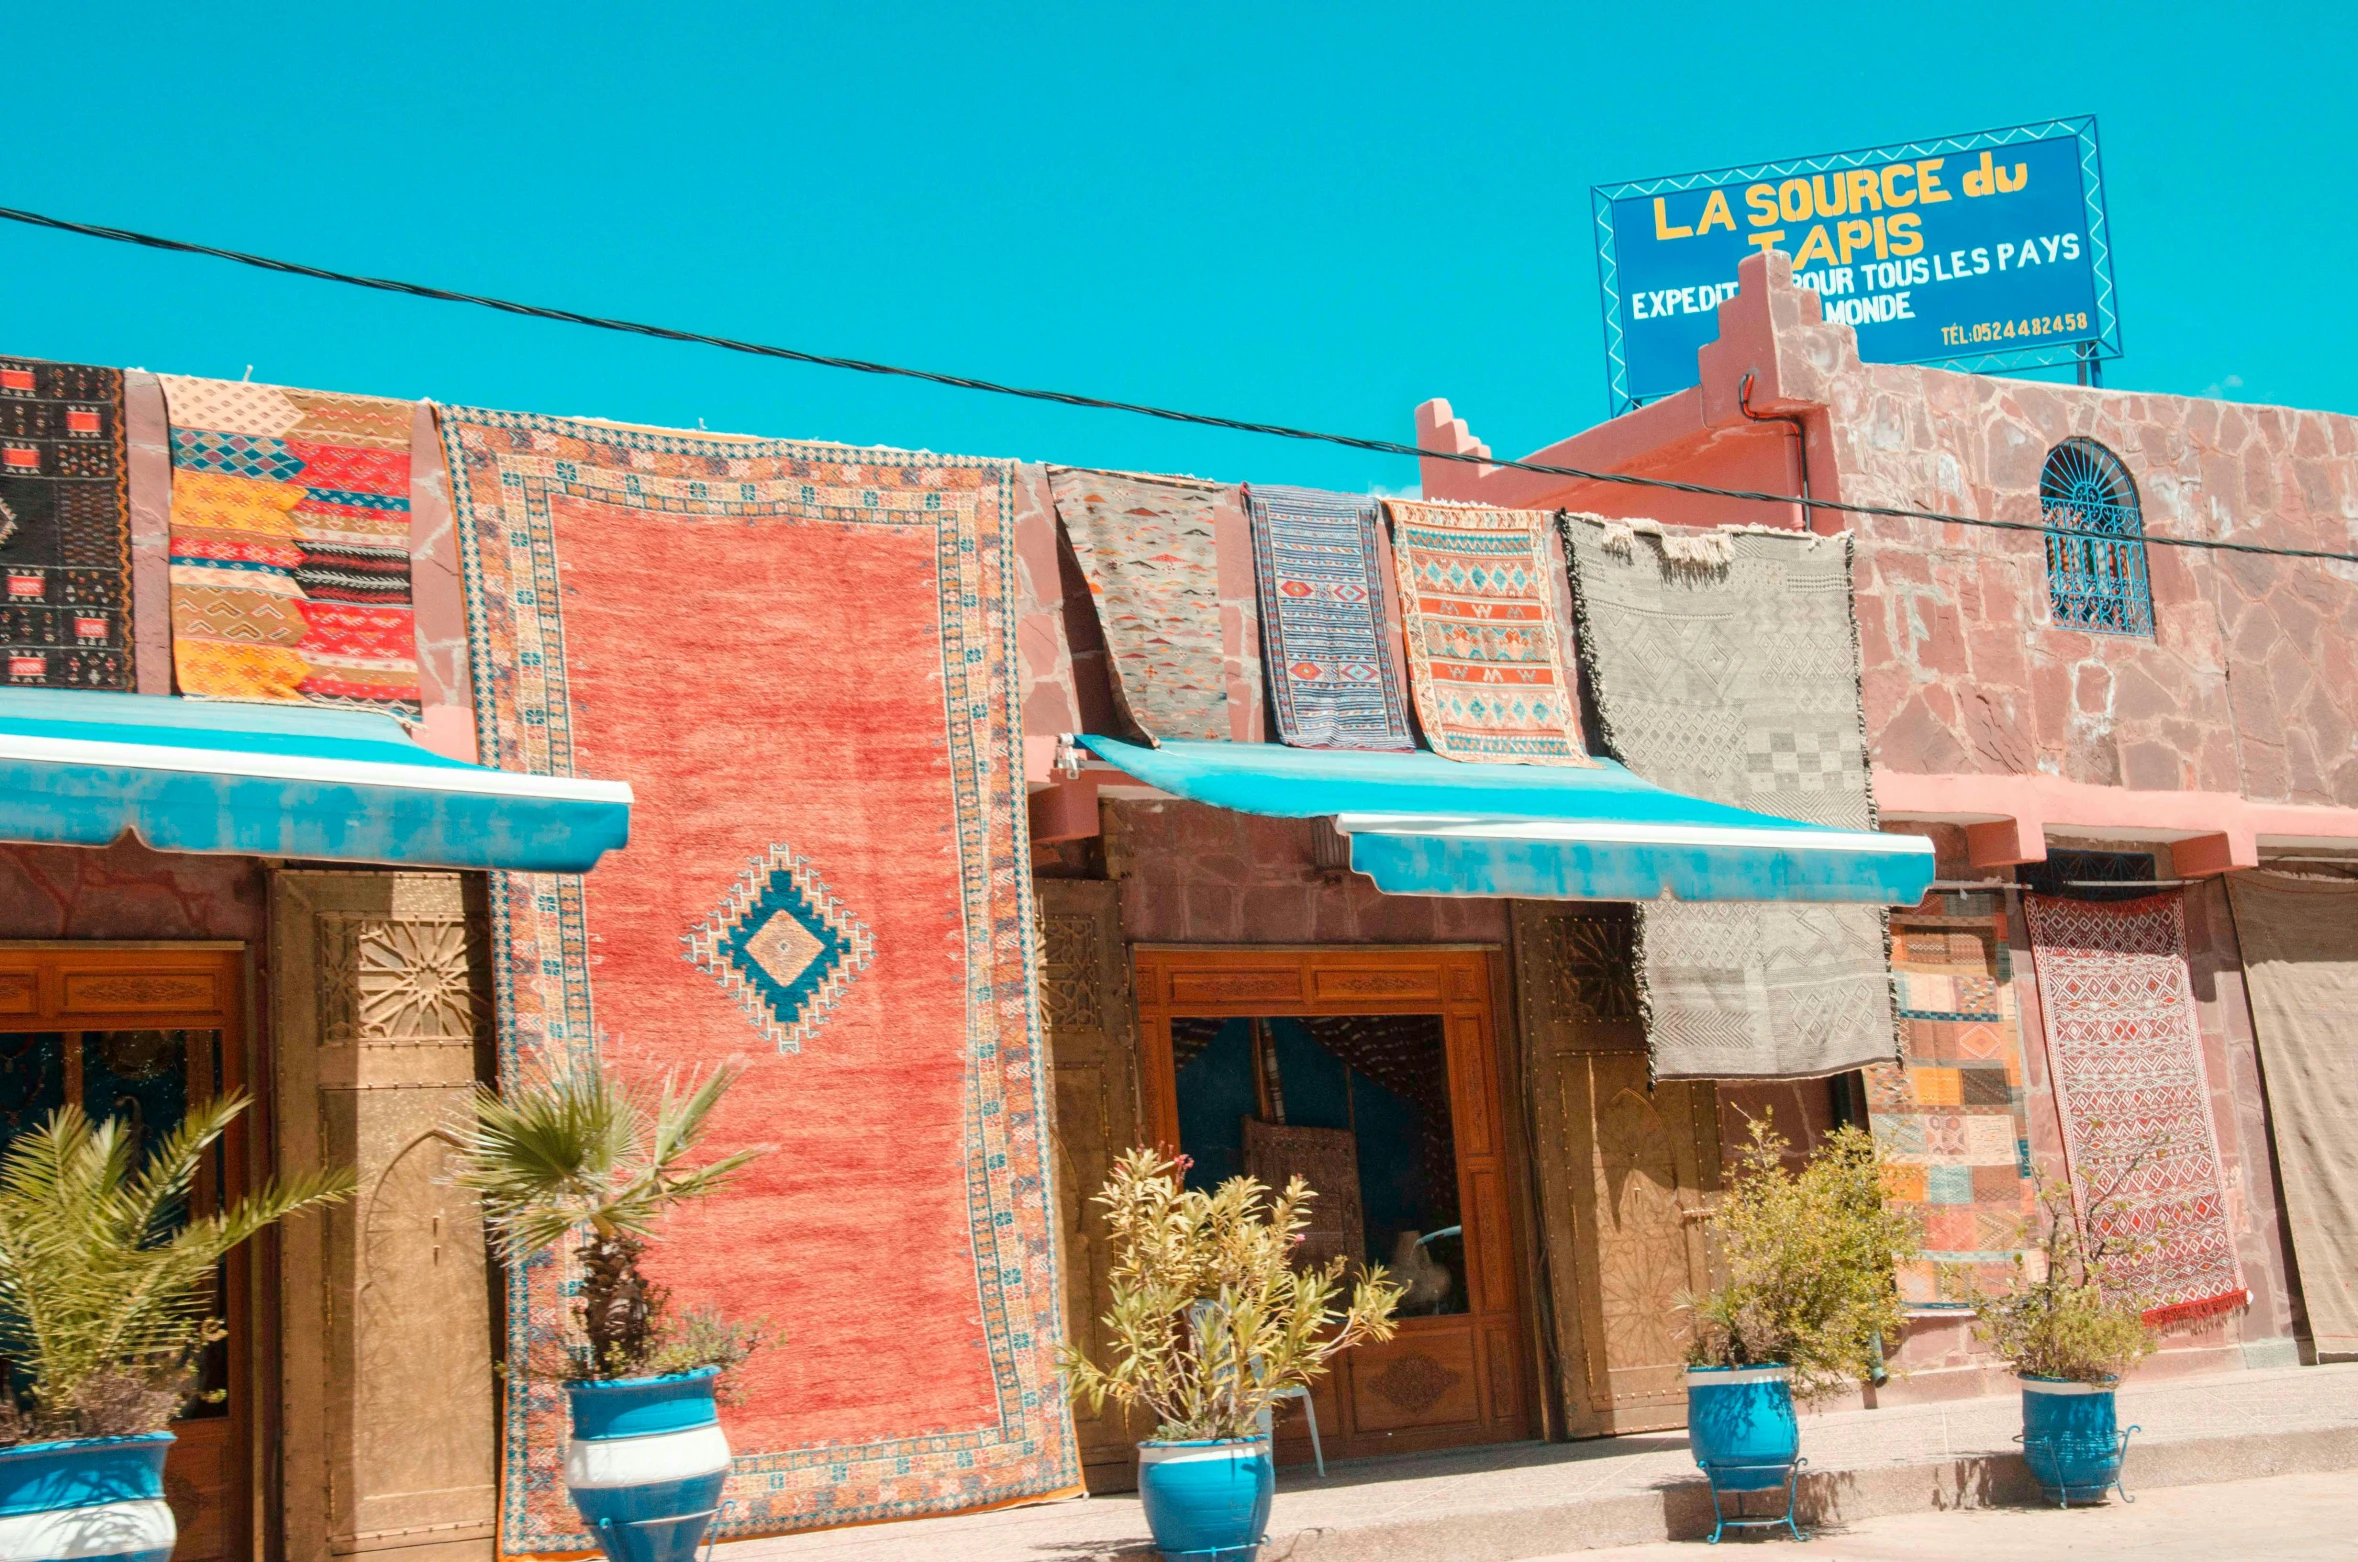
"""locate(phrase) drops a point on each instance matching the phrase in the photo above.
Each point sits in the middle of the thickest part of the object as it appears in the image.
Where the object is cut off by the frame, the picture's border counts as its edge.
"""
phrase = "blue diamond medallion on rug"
(783, 947)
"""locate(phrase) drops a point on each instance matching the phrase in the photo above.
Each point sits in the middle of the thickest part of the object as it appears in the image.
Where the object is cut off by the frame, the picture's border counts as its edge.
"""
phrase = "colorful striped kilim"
(290, 545)
(1332, 674)
(65, 526)
(1485, 650)
(828, 877)
(1950, 1113)
(1186, 652)
(2136, 1099)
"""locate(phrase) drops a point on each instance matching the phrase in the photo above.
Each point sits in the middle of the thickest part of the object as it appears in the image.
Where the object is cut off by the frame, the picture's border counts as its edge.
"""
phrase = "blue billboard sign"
(1985, 252)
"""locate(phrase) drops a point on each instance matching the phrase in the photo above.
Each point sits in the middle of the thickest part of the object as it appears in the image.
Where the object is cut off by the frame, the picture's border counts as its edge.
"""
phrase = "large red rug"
(2136, 1098)
(800, 658)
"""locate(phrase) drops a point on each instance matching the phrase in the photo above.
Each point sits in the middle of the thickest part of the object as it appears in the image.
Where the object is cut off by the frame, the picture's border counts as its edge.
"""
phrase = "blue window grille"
(2096, 541)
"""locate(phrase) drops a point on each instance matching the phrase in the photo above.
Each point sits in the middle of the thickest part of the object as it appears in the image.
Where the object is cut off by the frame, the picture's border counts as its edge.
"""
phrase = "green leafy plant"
(576, 1147)
(1212, 1321)
(1808, 1260)
(106, 1281)
(2062, 1318)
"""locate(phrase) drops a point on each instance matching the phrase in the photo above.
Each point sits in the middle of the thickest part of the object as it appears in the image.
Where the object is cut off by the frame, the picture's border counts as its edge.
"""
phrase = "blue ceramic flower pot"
(2071, 1438)
(95, 1499)
(646, 1463)
(1207, 1501)
(1740, 1425)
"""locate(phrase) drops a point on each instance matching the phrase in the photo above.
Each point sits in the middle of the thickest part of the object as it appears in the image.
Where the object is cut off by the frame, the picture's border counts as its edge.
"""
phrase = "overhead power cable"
(1387, 447)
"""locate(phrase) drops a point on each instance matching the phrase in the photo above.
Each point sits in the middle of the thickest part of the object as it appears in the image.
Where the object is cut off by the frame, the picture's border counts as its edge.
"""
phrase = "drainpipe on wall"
(1800, 435)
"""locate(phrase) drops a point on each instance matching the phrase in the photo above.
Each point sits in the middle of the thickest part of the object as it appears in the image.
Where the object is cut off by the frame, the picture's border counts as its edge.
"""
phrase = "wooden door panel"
(1421, 1379)
(1446, 1380)
(1637, 1147)
(20, 992)
(197, 1483)
(1474, 1113)
(1624, 1167)
(1085, 1009)
(1491, 1221)
(1349, 984)
(1502, 1349)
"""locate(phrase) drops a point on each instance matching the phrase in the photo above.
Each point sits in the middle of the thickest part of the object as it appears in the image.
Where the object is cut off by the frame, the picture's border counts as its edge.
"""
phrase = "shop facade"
(2056, 713)
(1467, 1067)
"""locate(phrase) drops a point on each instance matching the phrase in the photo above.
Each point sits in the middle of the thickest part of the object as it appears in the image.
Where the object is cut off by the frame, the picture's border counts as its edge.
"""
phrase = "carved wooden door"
(1445, 1380)
(383, 1009)
(139, 1033)
(1085, 1007)
(1623, 1170)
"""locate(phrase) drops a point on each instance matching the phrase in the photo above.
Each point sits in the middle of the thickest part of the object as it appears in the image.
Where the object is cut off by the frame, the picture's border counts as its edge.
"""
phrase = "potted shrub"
(1808, 1294)
(2070, 1337)
(576, 1149)
(1212, 1323)
(106, 1306)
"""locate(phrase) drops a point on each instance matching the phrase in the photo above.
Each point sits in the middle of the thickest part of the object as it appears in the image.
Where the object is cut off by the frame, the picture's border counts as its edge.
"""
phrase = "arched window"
(2095, 542)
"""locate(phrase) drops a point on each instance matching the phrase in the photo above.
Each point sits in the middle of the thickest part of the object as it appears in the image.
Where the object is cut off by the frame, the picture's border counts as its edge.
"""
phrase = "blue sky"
(1317, 215)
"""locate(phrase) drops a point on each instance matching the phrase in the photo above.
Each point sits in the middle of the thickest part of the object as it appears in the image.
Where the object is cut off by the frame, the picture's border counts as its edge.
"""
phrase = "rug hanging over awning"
(1327, 640)
(65, 521)
(79, 769)
(1169, 562)
(1485, 634)
(1725, 665)
(1423, 825)
(290, 545)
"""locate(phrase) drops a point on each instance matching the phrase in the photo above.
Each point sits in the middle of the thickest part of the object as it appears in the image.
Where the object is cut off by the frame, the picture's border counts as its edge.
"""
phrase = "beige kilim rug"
(1725, 666)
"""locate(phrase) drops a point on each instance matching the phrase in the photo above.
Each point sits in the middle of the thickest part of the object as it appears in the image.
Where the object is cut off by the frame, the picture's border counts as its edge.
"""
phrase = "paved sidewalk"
(2286, 1518)
(1530, 1500)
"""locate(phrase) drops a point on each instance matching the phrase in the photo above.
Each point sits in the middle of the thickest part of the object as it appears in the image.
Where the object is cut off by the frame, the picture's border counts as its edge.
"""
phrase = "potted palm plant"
(1808, 1294)
(2070, 1335)
(106, 1306)
(1212, 1323)
(577, 1149)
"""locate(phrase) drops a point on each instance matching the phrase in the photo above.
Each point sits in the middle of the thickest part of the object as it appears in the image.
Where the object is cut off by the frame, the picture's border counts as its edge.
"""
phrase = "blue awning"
(1423, 825)
(186, 775)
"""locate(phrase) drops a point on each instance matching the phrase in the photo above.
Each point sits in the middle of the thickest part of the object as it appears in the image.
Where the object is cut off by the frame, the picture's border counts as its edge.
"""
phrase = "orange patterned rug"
(827, 876)
(1485, 639)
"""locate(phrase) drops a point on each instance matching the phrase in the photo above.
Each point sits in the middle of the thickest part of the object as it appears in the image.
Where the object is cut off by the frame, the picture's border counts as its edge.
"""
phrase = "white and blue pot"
(646, 1463)
(1740, 1425)
(85, 1500)
(2071, 1438)
(1207, 1501)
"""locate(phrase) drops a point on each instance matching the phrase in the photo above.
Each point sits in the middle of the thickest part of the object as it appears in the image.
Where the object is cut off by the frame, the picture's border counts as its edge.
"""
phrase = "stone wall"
(126, 891)
(1191, 873)
(2250, 682)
